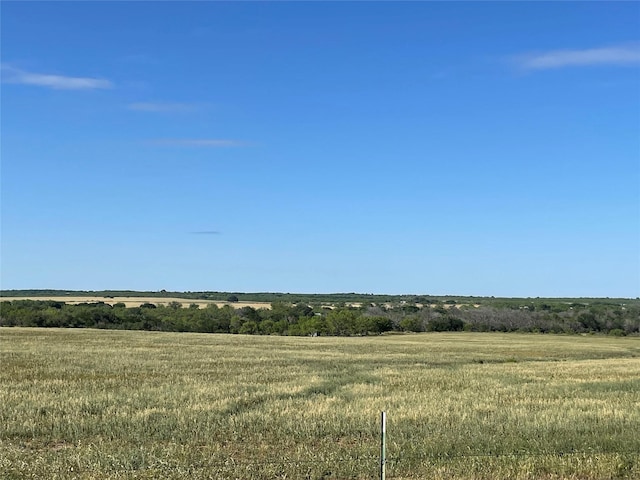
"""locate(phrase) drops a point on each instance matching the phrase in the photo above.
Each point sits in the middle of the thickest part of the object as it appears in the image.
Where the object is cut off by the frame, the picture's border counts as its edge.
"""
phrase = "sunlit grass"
(118, 404)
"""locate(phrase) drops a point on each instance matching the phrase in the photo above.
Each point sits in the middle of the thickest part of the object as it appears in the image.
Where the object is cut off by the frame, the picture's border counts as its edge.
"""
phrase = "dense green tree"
(412, 323)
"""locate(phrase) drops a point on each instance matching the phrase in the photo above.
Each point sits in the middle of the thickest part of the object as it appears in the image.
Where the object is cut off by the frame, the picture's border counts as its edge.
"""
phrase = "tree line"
(341, 320)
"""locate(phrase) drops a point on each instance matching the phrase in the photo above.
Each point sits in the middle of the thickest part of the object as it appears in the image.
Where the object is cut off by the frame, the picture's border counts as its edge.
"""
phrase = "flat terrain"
(137, 301)
(97, 404)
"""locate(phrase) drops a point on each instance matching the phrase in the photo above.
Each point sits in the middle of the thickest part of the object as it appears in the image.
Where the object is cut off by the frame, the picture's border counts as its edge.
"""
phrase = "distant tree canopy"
(308, 319)
(555, 304)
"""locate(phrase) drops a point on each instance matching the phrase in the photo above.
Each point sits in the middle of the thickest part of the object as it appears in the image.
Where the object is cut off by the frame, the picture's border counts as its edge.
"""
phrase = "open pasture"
(130, 302)
(93, 404)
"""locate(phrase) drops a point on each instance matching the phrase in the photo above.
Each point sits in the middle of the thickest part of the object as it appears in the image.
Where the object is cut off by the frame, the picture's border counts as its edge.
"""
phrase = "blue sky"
(429, 148)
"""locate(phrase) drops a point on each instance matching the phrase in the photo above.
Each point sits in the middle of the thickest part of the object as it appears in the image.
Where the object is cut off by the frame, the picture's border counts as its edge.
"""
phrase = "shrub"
(617, 332)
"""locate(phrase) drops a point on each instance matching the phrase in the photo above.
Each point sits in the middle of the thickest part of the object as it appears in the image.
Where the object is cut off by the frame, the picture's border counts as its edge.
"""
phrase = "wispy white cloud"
(620, 55)
(11, 74)
(163, 107)
(197, 142)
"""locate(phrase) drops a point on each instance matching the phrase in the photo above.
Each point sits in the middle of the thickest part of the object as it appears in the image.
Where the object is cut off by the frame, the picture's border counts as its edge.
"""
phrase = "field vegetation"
(319, 298)
(338, 319)
(113, 404)
(137, 301)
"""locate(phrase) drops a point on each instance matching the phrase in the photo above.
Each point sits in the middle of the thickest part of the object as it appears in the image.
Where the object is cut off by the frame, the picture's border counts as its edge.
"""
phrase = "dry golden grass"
(90, 404)
(137, 301)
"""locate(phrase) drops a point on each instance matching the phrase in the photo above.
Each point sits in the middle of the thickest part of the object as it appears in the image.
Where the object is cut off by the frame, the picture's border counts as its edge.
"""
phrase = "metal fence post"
(383, 446)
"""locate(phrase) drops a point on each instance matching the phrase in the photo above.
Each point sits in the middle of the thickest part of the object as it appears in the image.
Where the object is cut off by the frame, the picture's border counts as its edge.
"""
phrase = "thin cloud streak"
(162, 107)
(56, 82)
(197, 142)
(619, 56)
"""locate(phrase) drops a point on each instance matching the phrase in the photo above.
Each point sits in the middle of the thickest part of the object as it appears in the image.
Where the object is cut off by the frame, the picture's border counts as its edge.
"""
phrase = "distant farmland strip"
(137, 301)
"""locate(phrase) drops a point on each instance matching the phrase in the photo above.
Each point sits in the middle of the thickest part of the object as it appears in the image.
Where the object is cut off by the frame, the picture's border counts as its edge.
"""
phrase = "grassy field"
(137, 301)
(94, 404)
